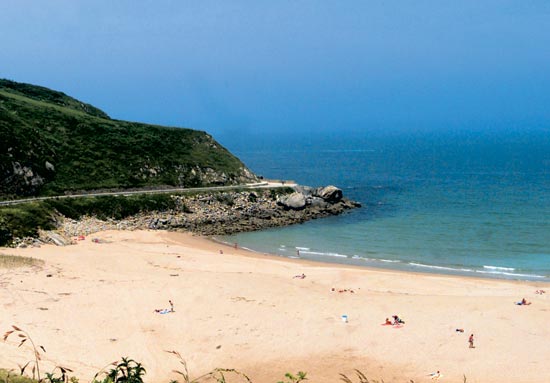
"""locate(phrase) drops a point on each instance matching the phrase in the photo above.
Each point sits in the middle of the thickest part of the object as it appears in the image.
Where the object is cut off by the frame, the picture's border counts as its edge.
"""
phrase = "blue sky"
(238, 67)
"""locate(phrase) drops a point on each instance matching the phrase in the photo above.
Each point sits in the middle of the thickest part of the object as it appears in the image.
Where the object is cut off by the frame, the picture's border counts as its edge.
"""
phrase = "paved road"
(267, 185)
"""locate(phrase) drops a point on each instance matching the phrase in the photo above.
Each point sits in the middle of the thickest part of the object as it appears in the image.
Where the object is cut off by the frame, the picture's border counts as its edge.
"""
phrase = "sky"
(233, 68)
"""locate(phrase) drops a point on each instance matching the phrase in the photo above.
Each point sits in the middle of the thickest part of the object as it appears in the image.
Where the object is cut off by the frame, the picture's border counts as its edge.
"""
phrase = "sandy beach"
(94, 302)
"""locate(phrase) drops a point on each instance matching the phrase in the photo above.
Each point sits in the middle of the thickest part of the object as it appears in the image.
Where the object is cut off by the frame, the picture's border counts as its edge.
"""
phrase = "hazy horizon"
(247, 68)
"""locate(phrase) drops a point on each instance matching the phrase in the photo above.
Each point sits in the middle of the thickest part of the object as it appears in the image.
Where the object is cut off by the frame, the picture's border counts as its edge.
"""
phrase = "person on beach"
(162, 311)
(471, 341)
(166, 311)
(435, 375)
(300, 276)
(388, 321)
(397, 321)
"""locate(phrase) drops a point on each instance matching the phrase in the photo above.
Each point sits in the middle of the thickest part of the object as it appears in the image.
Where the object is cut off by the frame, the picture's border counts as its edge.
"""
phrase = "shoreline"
(404, 269)
(265, 322)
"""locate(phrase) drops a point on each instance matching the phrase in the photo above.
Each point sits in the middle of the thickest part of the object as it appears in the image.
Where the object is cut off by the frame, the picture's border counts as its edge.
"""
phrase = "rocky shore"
(220, 213)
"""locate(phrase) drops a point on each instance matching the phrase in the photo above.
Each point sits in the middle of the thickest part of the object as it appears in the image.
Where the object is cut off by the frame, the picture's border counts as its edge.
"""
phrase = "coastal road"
(262, 185)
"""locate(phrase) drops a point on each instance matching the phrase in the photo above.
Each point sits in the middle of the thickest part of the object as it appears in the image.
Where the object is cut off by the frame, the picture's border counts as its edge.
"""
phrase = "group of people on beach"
(343, 290)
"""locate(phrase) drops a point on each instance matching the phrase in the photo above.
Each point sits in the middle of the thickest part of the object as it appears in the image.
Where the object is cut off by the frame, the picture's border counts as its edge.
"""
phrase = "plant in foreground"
(25, 339)
(126, 371)
(130, 371)
(300, 376)
(220, 375)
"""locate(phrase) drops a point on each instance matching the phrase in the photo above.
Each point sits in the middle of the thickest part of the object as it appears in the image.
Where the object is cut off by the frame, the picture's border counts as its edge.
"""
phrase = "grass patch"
(12, 261)
(7, 376)
(116, 207)
(24, 221)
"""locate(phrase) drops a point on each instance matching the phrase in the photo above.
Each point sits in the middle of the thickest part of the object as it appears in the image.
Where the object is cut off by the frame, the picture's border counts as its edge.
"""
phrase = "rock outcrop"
(224, 213)
(294, 201)
(320, 198)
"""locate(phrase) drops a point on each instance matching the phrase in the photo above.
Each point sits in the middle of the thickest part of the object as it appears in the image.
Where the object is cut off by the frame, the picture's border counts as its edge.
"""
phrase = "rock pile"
(223, 213)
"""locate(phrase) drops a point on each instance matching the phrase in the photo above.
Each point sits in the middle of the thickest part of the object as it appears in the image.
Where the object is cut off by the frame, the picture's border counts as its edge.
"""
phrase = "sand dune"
(245, 311)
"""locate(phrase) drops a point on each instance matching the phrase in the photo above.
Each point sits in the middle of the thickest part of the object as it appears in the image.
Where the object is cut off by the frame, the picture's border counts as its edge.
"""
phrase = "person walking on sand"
(471, 341)
(171, 306)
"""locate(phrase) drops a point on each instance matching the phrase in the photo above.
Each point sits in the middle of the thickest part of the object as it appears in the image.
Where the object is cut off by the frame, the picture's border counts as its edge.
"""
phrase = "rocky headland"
(216, 213)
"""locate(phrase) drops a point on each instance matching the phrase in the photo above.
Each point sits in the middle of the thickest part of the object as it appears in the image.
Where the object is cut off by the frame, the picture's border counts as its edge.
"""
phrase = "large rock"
(294, 201)
(317, 202)
(329, 193)
(55, 238)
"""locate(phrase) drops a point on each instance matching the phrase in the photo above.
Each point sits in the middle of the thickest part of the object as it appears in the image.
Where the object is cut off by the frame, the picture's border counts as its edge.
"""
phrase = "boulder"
(55, 238)
(329, 193)
(305, 190)
(49, 166)
(294, 201)
(317, 202)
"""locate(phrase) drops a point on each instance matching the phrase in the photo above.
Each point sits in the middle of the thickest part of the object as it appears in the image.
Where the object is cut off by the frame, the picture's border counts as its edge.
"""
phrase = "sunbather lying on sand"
(523, 302)
(300, 276)
(435, 375)
(162, 311)
(166, 311)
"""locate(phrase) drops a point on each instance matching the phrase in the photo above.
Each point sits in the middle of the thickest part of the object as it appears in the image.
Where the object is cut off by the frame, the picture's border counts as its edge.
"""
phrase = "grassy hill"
(53, 144)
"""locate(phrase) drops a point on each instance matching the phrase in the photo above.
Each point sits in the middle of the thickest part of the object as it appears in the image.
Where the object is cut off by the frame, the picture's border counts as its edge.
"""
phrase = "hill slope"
(53, 144)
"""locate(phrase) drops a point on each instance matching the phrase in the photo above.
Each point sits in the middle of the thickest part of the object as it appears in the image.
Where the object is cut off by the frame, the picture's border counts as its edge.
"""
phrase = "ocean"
(468, 203)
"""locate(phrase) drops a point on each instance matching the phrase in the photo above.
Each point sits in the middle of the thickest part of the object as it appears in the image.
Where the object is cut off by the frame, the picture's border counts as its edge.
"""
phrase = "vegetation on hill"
(53, 144)
(25, 220)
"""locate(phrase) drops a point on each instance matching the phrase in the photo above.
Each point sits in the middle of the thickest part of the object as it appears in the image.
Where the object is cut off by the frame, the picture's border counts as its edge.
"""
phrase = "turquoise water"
(463, 203)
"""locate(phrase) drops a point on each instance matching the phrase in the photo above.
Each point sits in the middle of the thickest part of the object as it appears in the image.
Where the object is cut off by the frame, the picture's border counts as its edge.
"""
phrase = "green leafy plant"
(8, 376)
(125, 371)
(290, 378)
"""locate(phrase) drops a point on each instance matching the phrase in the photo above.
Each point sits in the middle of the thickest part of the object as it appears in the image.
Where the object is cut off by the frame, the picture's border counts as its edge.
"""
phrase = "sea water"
(470, 203)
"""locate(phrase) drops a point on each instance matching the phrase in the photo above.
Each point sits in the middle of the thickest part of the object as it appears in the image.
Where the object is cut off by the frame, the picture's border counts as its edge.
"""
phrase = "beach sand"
(92, 303)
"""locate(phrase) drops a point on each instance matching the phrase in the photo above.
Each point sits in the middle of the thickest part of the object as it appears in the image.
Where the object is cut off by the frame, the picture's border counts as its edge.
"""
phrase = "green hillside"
(54, 144)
